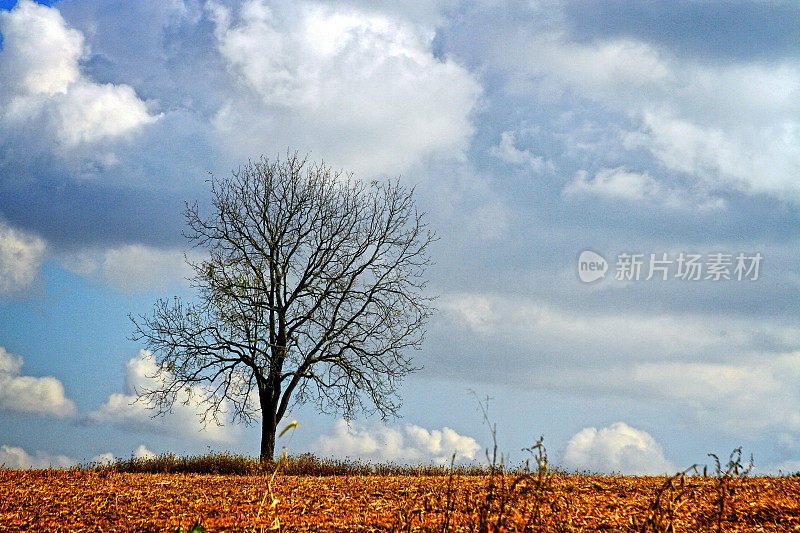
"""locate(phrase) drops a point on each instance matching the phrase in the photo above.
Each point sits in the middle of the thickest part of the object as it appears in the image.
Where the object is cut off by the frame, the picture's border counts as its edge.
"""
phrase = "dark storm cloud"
(166, 52)
(71, 214)
(130, 189)
(140, 197)
(169, 55)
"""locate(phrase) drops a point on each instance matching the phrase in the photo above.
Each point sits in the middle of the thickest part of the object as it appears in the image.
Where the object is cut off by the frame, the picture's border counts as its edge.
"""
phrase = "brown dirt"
(74, 500)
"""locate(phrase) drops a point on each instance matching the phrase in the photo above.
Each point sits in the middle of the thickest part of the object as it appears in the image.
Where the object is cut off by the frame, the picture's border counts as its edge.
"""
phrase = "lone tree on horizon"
(312, 291)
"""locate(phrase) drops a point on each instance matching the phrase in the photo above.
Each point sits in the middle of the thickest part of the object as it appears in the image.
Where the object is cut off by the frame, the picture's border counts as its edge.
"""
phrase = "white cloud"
(89, 112)
(141, 452)
(690, 129)
(104, 458)
(184, 421)
(618, 70)
(615, 183)
(360, 89)
(622, 184)
(16, 458)
(44, 85)
(728, 123)
(737, 375)
(424, 14)
(27, 394)
(133, 267)
(535, 323)
(32, 69)
(382, 443)
(756, 397)
(617, 448)
(756, 157)
(507, 151)
(21, 256)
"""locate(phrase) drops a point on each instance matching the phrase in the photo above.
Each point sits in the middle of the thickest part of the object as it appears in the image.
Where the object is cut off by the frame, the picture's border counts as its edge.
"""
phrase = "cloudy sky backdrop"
(531, 130)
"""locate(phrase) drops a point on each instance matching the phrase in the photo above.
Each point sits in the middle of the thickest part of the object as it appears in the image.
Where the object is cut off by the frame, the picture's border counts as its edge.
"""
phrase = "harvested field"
(85, 500)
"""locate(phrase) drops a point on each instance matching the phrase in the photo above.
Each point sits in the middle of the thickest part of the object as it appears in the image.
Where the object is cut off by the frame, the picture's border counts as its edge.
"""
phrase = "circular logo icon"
(591, 266)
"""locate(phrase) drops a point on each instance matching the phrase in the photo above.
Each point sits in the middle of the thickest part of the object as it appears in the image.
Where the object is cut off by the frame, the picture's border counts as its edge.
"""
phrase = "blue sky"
(532, 131)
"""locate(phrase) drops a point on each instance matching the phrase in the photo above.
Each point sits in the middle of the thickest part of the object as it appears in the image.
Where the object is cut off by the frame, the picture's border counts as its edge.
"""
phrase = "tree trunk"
(269, 423)
(268, 428)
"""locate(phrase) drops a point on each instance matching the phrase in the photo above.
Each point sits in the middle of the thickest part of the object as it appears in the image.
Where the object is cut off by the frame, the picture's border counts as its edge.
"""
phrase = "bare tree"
(312, 291)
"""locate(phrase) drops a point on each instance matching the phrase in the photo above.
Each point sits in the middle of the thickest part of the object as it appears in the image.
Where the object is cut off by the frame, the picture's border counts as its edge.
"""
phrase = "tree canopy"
(312, 290)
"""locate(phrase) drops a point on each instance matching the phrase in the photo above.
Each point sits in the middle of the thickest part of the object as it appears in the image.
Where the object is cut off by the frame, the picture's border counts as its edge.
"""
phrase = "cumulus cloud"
(617, 448)
(621, 184)
(124, 410)
(689, 128)
(141, 452)
(507, 151)
(104, 458)
(27, 394)
(45, 88)
(39, 70)
(410, 443)
(133, 267)
(21, 257)
(761, 158)
(17, 458)
(359, 88)
(615, 183)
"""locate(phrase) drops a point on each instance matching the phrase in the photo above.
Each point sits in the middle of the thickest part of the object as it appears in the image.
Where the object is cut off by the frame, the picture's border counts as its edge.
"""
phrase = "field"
(99, 499)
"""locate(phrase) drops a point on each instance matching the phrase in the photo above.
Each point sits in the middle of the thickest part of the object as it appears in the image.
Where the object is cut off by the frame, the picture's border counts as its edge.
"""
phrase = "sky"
(615, 186)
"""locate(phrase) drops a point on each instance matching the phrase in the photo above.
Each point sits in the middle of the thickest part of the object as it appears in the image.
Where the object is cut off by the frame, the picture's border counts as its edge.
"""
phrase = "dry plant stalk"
(276, 524)
(661, 513)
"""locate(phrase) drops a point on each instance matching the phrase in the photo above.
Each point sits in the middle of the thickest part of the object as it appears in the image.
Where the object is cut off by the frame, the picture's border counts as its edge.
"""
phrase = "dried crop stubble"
(109, 501)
